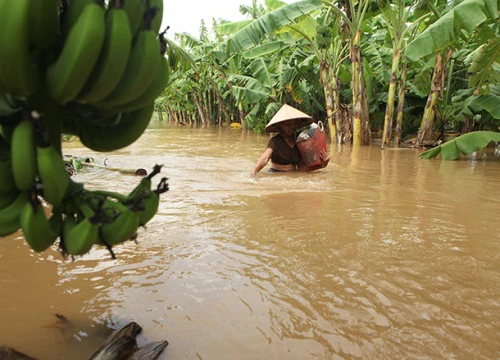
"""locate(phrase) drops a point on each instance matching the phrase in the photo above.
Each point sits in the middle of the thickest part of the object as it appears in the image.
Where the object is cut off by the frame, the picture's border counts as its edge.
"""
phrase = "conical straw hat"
(287, 113)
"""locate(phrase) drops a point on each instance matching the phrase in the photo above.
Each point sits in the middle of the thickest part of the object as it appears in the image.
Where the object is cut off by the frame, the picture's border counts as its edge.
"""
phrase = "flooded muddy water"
(381, 255)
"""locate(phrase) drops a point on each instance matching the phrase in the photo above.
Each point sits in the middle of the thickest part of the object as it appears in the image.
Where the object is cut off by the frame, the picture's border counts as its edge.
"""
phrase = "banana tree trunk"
(242, 115)
(325, 81)
(361, 119)
(207, 107)
(389, 109)
(366, 135)
(222, 107)
(401, 103)
(356, 95)
(339, 125)
(200, 110)
(427, 124)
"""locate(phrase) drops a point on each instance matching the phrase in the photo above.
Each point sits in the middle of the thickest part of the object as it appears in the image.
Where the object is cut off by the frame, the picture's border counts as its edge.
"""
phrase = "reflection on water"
(381, 255)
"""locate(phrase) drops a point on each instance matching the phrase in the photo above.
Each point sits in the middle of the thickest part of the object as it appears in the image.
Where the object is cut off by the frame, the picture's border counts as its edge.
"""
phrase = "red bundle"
(310, 143)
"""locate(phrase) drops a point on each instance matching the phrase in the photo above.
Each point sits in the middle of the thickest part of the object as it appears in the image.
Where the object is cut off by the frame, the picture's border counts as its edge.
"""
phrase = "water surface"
(379, 256)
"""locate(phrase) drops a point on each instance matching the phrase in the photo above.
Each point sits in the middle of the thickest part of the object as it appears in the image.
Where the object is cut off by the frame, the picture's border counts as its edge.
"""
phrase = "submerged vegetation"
(398, 69)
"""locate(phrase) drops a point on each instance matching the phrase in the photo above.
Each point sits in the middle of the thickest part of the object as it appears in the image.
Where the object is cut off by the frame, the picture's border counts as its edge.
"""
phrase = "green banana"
(9, 215)
(121, 228)
(142, 66)
(153, 91)
(7, 198)
(53, 174)
(155, 9)
(67, 75)
(144, 185)
(71, 14)
(130, 127)
(40, 232)
(144, 198)
(8, 105)
(7, 184)
(79, 238)
(112, 59)
(135, 13)
(151, 202)
(23, 159)
(44, 25)
(17, 68)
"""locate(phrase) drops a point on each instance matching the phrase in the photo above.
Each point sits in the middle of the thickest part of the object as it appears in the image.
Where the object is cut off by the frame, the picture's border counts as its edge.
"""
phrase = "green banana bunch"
(141, 68)
(155, 8)
(71, 14)
(144, 185)
(151, 202)
(135, 13)
(153, 91)
(17, 68)
(23, 158)
(109, 138)
(9, 215)
(121, 227)
(79, 237)
(52, 173)
(44, 22)
(67, 75)
(146, 199)
(39, 231)
(112, 59)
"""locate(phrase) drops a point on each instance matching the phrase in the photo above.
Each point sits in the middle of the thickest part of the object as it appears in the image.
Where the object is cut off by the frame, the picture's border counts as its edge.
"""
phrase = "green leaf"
(482, 68)
(464, 144)
(490, 103)
(232, 27)
(263, 50)
(252, 34)
(468, 15)
(260, 71)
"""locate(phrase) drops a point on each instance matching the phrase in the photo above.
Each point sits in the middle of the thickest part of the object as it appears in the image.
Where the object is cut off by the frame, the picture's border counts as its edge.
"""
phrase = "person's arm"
(325, 159)
(263, 160)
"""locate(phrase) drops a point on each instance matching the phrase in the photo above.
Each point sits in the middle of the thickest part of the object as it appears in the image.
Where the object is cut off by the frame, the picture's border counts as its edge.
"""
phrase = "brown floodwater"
(381, 255)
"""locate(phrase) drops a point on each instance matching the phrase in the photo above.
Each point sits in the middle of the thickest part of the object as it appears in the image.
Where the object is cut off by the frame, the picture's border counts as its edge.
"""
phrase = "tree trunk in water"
(206, 108)
(401, 103)
(356, 96)
(345, 117)
(366, 135)
(389, 109)
(222, 107)
(325, 81)
(160, 115)
(339, 125)
(427, 124)
(242, 116)
(200, 110)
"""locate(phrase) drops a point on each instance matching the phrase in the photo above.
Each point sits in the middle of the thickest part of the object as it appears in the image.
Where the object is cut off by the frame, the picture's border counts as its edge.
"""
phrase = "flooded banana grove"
(382, 255)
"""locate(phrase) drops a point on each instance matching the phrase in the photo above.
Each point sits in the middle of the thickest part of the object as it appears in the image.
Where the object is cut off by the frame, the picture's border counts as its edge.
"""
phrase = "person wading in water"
(282, 149)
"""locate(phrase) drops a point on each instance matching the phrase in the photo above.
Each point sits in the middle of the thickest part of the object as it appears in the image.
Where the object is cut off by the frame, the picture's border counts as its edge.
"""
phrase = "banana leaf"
(464, 144)
(467, 15)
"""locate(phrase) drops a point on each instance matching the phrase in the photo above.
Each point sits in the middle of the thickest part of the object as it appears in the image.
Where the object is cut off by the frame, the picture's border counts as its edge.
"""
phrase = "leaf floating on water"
(464, 144)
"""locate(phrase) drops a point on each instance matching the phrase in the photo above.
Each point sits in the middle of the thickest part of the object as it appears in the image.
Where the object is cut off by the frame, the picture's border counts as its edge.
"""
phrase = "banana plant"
(397, 20)
(464, 144)
(476, 19)
(252, 34)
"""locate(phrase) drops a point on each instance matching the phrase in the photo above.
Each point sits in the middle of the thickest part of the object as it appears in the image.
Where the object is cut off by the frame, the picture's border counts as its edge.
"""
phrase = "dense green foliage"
(243, 71)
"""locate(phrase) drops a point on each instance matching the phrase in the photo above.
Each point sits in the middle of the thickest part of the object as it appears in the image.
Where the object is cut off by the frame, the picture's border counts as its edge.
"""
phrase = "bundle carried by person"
(310, 143)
